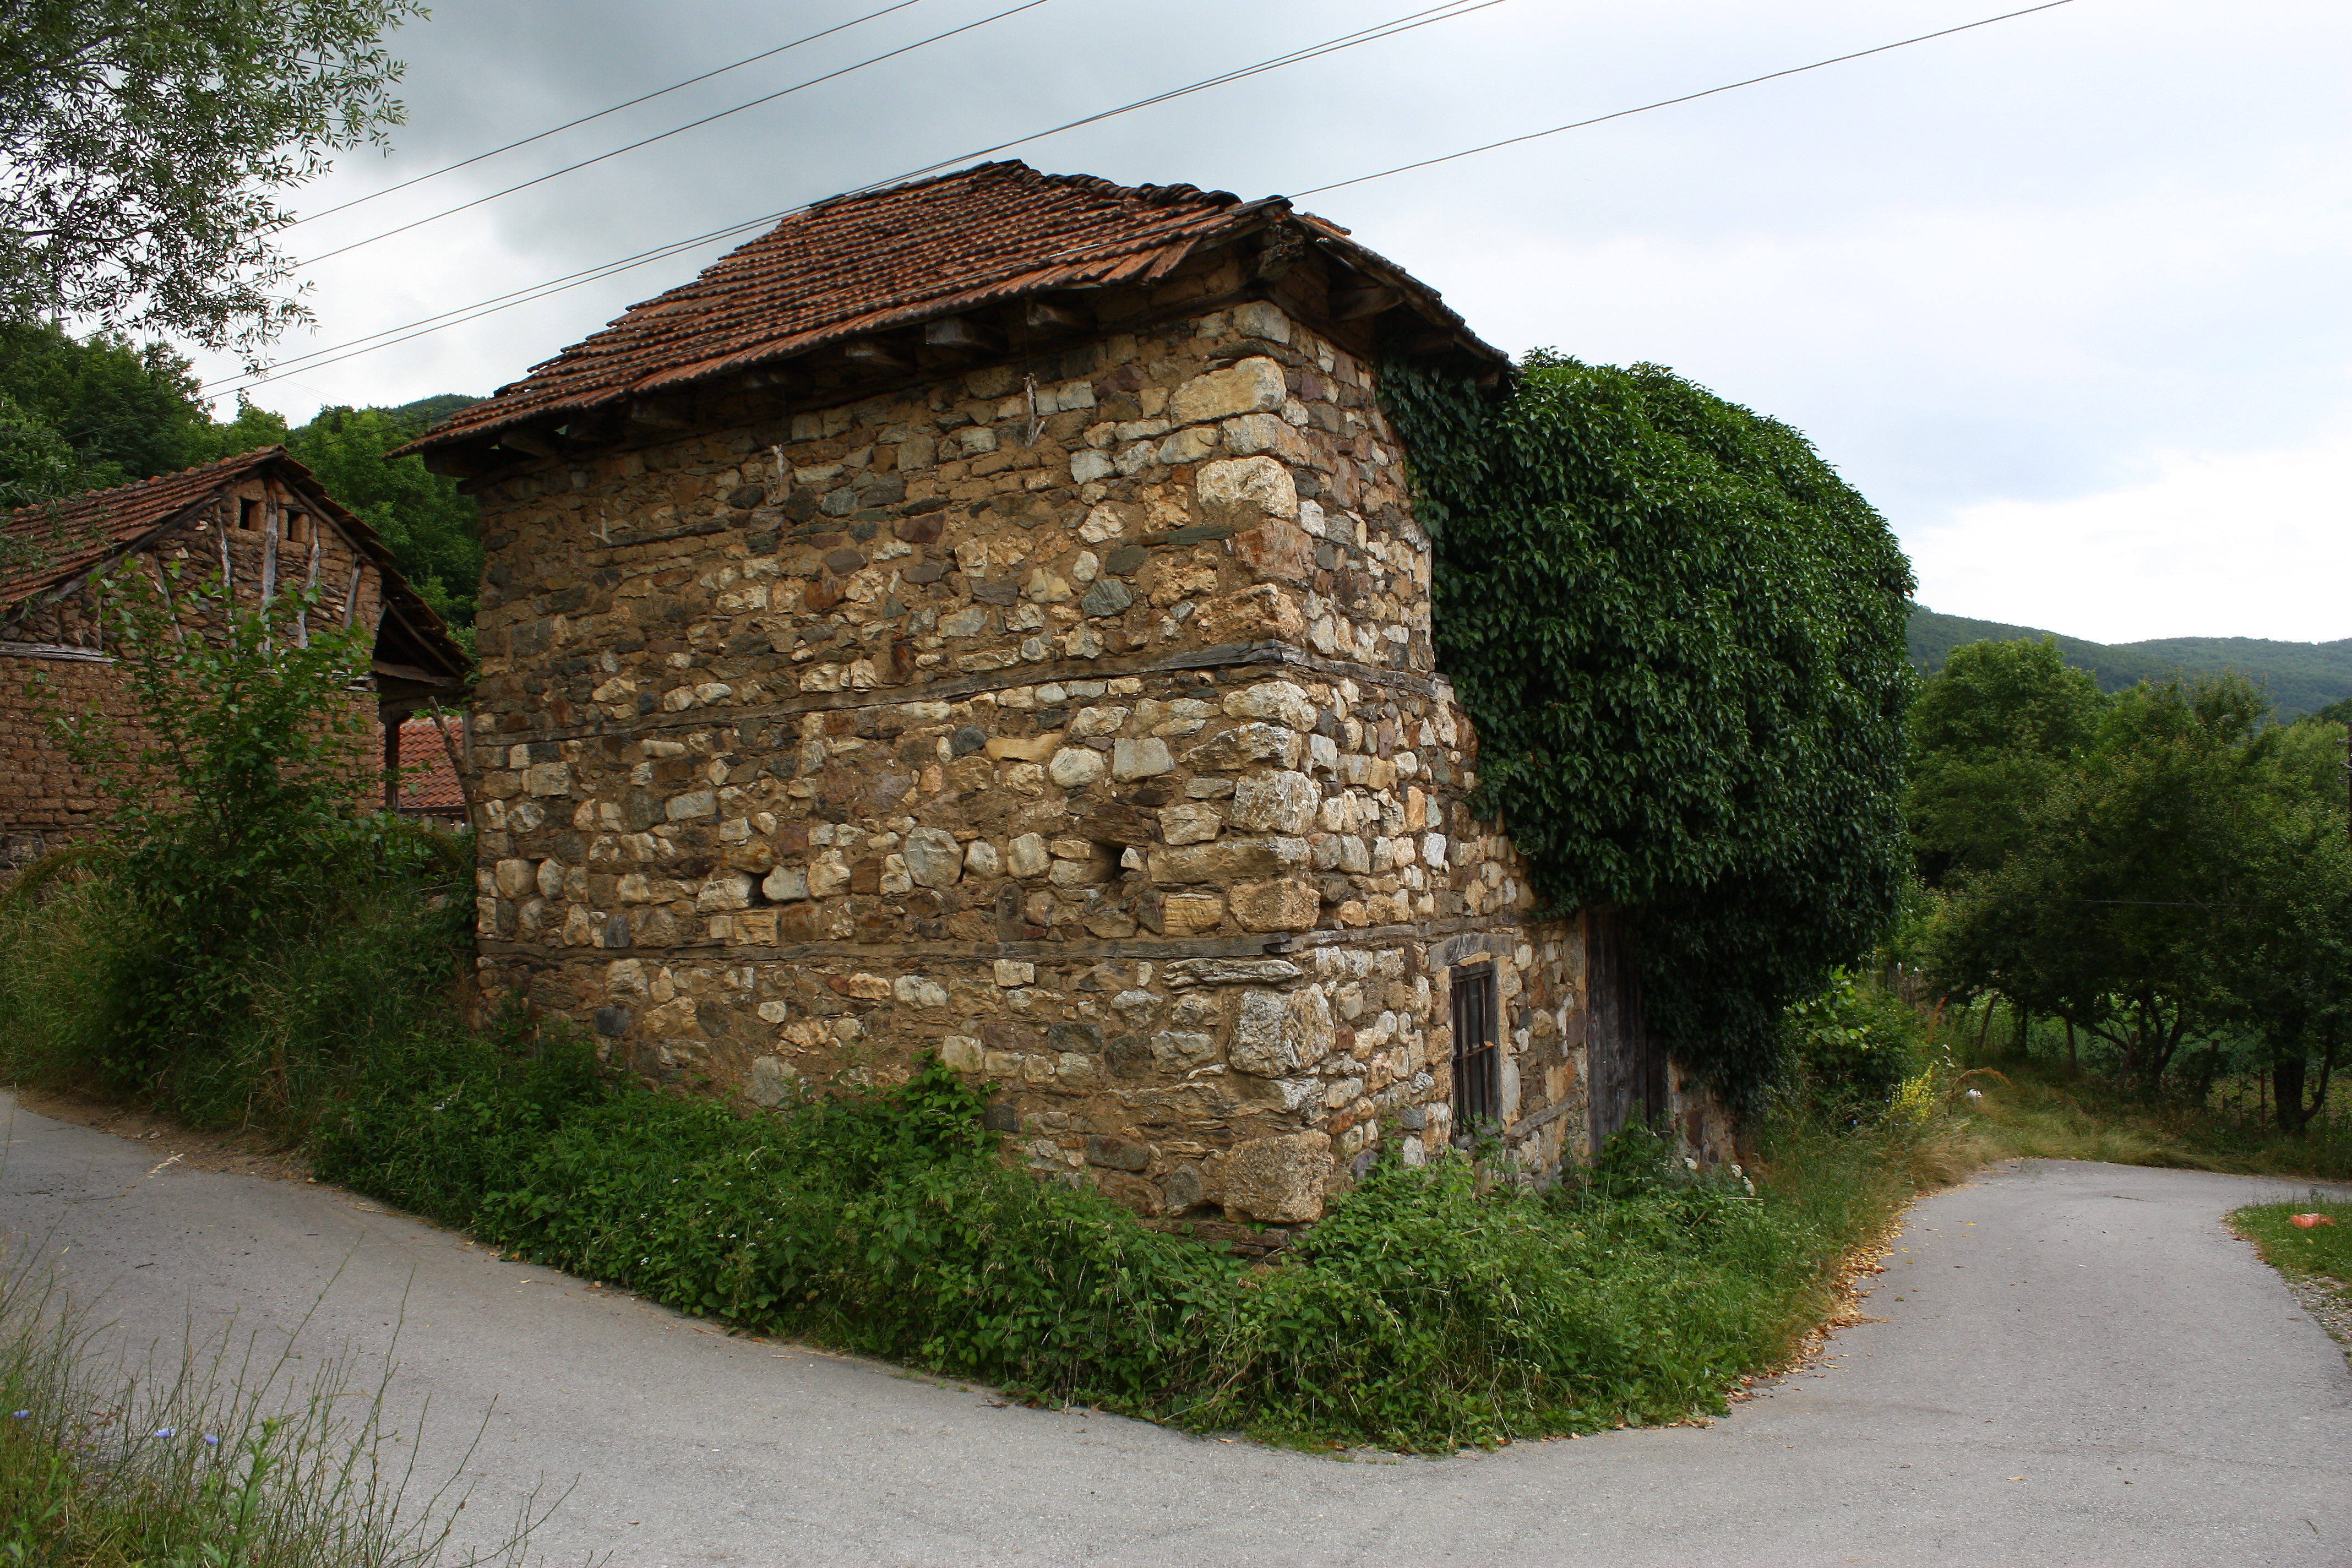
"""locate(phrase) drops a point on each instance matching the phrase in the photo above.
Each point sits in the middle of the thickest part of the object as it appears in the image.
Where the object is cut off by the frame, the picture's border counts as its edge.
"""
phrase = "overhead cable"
(674, 130)
(502, 302)
(338, 353)
(1685, 98)
(616, 109)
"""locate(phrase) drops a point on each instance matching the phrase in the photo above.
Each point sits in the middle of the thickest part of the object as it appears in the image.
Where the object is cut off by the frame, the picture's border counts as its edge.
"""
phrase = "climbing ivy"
(1681, 637)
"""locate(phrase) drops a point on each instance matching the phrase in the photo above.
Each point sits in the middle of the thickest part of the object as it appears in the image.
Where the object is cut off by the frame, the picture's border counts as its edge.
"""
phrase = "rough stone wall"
(44, 800)
(1081, 726)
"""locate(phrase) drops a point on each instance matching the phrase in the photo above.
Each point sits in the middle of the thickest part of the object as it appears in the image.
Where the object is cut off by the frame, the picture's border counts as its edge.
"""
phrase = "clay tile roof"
(78, 530)
(68, 536)
(434, 790)
(869, 262)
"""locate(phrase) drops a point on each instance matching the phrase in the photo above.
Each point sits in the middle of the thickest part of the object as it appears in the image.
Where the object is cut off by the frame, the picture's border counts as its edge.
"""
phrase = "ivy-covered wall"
(1681, 637)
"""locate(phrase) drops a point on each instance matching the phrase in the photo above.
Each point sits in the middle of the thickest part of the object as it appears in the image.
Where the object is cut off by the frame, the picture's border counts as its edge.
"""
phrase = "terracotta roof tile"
(865, 262)
(435, 789)
(74, 532)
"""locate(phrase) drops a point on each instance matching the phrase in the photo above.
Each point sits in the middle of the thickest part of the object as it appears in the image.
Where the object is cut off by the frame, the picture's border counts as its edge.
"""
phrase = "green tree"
(431, 528)
(1682, 637)
(144, 145)
(127, 412)
(234, 788)
(2110, 909)
(1991, 734)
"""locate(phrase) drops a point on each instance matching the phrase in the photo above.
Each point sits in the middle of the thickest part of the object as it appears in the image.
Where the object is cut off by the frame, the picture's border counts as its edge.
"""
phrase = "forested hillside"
(2299, 677)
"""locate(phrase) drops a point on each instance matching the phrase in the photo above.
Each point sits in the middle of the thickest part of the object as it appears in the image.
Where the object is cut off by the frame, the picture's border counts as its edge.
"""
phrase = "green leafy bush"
(1421, 1313)
(1682, 637)
(236, 827)
(1852, 1044)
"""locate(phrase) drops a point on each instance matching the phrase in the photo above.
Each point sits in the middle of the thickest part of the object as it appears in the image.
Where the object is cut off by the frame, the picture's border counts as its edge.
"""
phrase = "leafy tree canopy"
(1680, 635)
(1990, 734)
(430, 528)
(143, 145)
(2188, 870)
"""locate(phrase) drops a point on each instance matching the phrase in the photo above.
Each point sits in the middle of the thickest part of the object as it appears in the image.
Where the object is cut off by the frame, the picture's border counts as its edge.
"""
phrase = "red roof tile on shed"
(862, 263)
(78, 530)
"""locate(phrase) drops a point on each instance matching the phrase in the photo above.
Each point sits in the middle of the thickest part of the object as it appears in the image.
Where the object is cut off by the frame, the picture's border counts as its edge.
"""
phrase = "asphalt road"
(2077, 1364)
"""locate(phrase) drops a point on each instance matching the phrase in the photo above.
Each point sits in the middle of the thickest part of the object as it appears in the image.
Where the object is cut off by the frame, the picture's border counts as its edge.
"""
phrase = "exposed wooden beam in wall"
(961, 335)
(1355, 304)
(867, 353)
(1046, 315)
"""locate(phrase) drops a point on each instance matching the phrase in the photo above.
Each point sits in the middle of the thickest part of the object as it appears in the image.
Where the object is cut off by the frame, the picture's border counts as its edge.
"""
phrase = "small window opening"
(297, 528)
(249, 516)
(1477, 1064)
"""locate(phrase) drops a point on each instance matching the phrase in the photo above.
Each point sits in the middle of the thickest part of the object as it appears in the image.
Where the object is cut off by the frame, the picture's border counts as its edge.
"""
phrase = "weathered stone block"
(1143, 759)
(1190, 823)
(1241, 747)
(771, 1081)
(1243, 490)
(934, 859)
(1188, 913)
(918, 991)
(1277, 1180)
(728, 890)
(1074, 767)
(1277, 548)
(1117, 1154)
(1282, 903)
(1226, 860)
(1028, 856)
(1282, 802)
(1254, 385)
(1023, 748)
(1263, 613)
(516, 878)
(1278, 1033)
(1186, 972)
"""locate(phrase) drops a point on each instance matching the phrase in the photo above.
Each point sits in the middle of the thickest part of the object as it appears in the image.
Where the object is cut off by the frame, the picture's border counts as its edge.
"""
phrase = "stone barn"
(986, 616)
(260, 519)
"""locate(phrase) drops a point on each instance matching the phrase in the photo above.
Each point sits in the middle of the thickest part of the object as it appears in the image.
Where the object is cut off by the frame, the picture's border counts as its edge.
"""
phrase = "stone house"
(261, 519)
(987, 615)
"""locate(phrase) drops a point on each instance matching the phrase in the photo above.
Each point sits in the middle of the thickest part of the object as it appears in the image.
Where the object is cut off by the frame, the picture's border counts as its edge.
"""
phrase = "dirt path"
(2078, 1364)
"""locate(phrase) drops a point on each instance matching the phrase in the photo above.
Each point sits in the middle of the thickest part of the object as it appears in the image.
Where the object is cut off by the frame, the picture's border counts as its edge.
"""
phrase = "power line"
(1687, 98)
(616, 109)
(336, 353)
(1415, 19)
(678, 131)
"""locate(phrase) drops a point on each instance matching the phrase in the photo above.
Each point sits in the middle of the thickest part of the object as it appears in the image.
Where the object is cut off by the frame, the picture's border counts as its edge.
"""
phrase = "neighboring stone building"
(987, 615)
(260, 518)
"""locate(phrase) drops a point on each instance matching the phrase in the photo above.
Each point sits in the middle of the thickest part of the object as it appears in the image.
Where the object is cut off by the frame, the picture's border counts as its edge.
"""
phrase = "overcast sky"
(2063, 295)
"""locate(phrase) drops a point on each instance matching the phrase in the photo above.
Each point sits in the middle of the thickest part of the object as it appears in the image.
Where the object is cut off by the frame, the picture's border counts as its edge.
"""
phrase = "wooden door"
(1625, 1076)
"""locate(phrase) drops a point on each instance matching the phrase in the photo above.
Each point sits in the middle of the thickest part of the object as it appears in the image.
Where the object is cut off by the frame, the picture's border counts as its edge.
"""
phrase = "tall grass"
(2036, 1103)
(219, 1455)
(366, 971)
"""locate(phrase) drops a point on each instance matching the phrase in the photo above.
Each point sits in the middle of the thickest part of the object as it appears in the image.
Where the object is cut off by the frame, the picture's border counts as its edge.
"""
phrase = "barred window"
(1477, 1064)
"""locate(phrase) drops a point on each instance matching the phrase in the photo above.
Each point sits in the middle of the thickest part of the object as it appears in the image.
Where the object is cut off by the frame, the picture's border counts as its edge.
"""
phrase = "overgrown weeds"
(220, 1456)
(2039, 1110)
(1421, 1313)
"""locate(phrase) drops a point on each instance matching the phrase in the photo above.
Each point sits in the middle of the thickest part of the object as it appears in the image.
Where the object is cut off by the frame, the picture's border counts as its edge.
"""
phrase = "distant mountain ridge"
(2301, 677)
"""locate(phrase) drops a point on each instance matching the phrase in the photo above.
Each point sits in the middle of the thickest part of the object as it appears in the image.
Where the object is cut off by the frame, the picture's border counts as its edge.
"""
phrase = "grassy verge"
(2041, 1110)
(2316, 1262)
(209, 1461)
